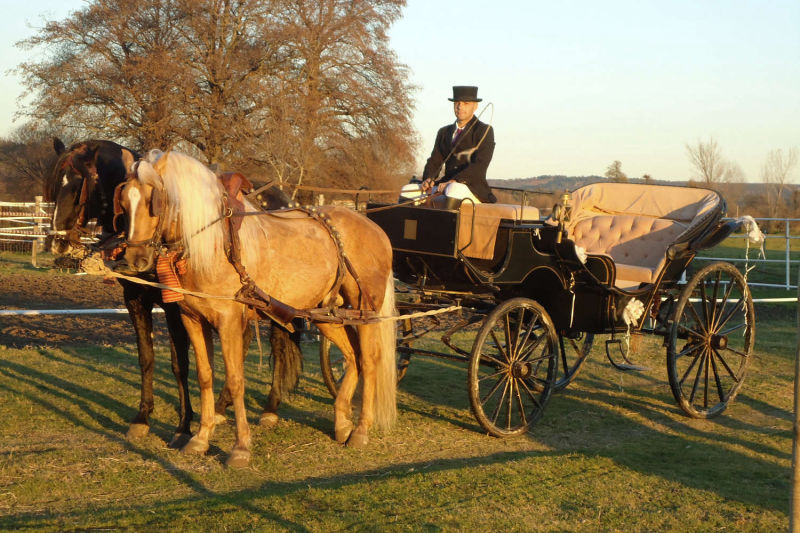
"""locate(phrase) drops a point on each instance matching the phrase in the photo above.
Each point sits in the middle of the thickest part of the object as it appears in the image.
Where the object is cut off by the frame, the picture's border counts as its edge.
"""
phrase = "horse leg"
(200, 335)
(179, 349)
(287, 362)
(225, 399)
(140, 313)
(231, 333)
(342, 407)
(365, 345)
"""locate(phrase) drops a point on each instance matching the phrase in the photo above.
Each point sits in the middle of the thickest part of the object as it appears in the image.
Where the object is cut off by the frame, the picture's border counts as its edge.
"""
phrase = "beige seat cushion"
(636, 224)
(477, 231)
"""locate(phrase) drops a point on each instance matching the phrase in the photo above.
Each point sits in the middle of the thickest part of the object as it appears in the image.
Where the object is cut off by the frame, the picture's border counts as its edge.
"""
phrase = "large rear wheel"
(710, 340)
(513, 367)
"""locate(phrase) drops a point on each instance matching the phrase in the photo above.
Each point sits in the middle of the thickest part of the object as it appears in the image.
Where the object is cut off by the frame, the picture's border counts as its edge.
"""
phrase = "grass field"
(612, 452)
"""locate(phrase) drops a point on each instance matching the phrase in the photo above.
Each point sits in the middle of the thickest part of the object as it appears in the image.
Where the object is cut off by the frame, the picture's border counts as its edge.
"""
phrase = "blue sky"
(576, 85)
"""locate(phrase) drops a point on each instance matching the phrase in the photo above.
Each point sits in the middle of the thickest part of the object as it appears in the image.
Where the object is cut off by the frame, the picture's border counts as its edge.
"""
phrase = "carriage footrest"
(628, 364)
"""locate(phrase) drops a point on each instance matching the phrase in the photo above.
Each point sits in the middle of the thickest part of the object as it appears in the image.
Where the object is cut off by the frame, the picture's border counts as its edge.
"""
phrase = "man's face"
(464, 110)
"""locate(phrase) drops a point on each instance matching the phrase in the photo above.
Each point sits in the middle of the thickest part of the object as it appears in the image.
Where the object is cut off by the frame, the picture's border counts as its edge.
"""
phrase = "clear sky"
(576, 85)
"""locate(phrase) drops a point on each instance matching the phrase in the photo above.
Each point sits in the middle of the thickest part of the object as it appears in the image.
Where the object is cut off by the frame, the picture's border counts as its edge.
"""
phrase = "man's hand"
(426, 185)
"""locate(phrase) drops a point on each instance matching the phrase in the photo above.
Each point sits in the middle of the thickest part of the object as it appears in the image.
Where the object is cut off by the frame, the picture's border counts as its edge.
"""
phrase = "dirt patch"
(50, 289)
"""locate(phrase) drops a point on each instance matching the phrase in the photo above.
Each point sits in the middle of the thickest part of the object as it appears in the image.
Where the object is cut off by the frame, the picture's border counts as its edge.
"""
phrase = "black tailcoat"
(465, 165)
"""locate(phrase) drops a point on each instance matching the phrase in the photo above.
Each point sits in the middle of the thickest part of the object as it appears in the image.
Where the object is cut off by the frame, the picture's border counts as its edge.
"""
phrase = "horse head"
(143, 201)
(81, 186)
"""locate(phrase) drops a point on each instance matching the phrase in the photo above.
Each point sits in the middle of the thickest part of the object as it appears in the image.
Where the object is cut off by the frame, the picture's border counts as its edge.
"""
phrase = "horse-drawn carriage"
(609, 260)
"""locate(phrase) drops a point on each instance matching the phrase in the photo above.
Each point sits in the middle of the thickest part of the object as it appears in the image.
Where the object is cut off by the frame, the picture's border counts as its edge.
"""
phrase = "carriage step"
(628, 364)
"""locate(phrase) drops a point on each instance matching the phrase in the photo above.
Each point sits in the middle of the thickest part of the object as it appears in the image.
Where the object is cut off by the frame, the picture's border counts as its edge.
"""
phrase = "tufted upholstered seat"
(636, 224)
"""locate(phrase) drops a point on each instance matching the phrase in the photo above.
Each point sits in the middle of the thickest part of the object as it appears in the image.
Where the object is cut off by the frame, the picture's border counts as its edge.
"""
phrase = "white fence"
(785, 235)
(23, 224)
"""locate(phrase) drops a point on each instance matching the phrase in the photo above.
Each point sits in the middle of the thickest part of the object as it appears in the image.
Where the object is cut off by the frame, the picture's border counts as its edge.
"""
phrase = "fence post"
(794, 520)
(788, 255)
(37, 210)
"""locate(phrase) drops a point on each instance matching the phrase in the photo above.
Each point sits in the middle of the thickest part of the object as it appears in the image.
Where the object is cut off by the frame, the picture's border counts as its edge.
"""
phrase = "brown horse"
(296, 259)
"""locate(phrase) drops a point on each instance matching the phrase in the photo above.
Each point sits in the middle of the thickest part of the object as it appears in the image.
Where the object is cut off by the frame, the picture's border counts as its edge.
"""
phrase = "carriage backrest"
(637, 223)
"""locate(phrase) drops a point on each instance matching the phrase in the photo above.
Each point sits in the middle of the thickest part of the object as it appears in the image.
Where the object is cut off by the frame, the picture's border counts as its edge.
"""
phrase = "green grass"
(612, 452)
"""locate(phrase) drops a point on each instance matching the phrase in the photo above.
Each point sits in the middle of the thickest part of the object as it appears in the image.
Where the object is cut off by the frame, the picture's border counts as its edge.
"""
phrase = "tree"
(776, 174)
(709, 165)
(26, 158)
(614, 172)
(298, 90)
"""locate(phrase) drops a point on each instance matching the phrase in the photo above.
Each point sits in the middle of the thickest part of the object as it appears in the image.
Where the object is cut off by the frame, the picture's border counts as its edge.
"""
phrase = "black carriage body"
(525, 264)
(537, 259)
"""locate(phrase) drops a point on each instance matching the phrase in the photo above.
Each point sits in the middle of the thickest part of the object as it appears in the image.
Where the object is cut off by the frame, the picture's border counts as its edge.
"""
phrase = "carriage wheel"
(332, 364)
(513, 367)
(573, 353)
(710, 340)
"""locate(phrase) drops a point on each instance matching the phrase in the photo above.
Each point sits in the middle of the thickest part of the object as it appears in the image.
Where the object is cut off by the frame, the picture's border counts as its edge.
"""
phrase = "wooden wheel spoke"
(503, 349)
(727, 367)
(720, 392)
(492, 391)
(724, 320)
(515, 345)
(691, 366)
(531, 393)
(507, 330)
(724, 302)
(529, 350)
(702, 359)
(714, 295)
(500, 403)
(521, 407)
(731, 329)
(491, 361)
(698, 320)
(691, 347)
(704, 303)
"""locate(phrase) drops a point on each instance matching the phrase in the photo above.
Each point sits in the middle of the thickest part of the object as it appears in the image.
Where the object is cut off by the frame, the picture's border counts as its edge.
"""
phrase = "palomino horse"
(299, 260)
(82, 186)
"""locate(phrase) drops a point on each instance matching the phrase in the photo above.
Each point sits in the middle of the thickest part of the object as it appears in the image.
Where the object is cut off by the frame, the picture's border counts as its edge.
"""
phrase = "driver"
(465, 148)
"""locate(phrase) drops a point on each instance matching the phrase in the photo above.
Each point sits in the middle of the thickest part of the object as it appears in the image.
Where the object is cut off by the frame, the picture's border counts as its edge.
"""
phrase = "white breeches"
(456, 190)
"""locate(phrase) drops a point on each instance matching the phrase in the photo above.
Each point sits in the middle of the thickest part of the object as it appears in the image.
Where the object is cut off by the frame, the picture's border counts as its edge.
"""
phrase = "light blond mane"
(194, 200)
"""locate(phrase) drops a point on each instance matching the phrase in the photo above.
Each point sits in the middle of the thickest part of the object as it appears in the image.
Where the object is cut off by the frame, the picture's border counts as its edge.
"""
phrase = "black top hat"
(465, 93)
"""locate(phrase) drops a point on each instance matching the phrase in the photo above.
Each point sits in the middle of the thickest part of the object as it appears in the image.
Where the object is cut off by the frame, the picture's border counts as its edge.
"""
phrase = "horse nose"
(143, 264)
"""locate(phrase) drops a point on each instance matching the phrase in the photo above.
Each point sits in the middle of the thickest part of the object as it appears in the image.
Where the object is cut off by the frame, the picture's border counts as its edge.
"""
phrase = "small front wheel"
(710, 340)
(573, 354)
(513, 367)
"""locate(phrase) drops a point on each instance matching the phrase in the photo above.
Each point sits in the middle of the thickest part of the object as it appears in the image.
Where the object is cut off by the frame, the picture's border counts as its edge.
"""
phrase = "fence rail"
(24, 225)
(785, 236)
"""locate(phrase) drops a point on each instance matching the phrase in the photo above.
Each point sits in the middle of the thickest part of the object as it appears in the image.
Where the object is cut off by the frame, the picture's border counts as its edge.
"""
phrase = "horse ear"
(58, 146)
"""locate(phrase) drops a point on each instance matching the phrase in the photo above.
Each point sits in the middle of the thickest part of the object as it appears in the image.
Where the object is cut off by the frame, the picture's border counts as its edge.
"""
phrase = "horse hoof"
(343, 432)
(358, 440)
(219, 418)
(268, 420)
(238, 459)
(195, 446)
(137, 431)
(179, 440)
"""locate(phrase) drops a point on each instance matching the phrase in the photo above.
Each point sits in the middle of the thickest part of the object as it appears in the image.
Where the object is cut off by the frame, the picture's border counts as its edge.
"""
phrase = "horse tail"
(287, 361)
(386, 393)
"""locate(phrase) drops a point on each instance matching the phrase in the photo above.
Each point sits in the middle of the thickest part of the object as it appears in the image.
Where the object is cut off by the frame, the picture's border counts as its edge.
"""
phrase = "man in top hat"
(465, 148)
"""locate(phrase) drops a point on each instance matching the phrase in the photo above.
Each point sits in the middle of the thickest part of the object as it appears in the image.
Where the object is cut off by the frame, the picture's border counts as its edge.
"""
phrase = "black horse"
(82, 186)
